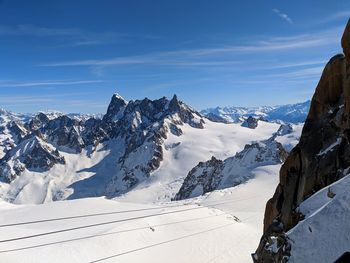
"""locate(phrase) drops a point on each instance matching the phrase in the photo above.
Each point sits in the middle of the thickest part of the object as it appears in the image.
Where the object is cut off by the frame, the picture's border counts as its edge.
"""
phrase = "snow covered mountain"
(124, 148)
(292, 113)
(145, 146)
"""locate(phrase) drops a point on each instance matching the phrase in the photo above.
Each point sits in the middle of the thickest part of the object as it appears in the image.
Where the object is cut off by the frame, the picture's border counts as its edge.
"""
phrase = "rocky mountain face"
(138, 128)
(320, 159)
(251, 122)
(216, 174)
(291, 113)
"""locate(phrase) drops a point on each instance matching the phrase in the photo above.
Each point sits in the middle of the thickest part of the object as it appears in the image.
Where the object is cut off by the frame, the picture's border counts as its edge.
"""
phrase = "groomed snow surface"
(224, 226)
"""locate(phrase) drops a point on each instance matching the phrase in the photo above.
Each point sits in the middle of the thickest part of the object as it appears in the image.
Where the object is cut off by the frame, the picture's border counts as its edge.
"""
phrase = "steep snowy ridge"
(293, 113)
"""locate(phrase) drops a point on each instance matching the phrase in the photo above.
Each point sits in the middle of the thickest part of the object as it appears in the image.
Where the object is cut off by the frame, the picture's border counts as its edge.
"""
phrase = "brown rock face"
(319, 159)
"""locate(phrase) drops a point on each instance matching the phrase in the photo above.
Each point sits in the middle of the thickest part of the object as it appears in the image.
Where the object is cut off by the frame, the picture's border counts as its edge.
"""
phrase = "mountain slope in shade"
(292, 113)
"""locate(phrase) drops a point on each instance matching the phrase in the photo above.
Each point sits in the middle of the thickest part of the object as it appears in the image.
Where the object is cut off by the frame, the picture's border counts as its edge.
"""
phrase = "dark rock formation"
(115, 108)
(284, 129)
(317, 161)
(206, 176)
(37, 155)
(250, 122)
(38, 121)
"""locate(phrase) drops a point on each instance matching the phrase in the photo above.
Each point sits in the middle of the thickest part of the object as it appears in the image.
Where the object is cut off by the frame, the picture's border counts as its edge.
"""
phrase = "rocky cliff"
(321, 157)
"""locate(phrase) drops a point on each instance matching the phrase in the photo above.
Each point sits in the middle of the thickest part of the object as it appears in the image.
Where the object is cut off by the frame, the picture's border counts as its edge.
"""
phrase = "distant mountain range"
(293, 113)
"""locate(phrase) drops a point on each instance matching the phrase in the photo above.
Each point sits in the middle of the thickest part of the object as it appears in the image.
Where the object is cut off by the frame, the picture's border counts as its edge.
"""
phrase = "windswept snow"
(326, 225)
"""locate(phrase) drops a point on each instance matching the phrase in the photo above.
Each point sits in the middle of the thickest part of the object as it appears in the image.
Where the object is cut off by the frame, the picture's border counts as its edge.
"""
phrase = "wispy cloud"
(46, 101)
(336, 16)
(284, 16)
(297, 64)
(13, 84)
(68, 37)
(216, 56)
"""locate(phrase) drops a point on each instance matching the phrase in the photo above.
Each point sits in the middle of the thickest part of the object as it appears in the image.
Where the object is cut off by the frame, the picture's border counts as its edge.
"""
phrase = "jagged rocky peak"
(216, 174)
(38, 121)
(32, 154)
(115, 108)
(185, 113)
(144, 112)
(320, 158)
(64, 132)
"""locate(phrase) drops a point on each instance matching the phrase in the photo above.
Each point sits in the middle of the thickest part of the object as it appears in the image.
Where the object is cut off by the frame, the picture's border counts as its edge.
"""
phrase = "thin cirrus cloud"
(218, 55)
(70, 37)
(334, 17)
(14, 84)
(282, 15)
(48, 100)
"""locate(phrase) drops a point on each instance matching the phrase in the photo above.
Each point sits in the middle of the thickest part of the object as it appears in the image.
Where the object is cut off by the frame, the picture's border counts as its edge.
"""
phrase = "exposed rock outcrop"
(250, 122)
(317, 161)
(36, 155)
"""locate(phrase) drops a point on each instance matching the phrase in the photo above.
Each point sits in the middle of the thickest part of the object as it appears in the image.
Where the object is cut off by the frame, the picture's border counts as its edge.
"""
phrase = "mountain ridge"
(293, 113)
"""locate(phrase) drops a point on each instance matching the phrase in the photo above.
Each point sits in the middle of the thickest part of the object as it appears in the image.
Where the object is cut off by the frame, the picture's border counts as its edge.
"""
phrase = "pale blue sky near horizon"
(73, 55)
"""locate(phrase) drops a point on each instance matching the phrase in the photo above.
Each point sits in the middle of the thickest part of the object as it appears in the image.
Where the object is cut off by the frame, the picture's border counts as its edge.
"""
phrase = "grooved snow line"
(160, 243)
(107, 223)
(110, 233)
(107, 213)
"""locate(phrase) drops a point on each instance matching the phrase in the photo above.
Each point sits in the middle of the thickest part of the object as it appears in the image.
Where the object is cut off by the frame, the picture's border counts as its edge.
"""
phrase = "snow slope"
(326, 225)
(226, 227)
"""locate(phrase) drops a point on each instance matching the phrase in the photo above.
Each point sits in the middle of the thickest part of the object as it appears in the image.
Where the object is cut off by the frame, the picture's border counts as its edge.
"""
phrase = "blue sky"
(73, 55)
